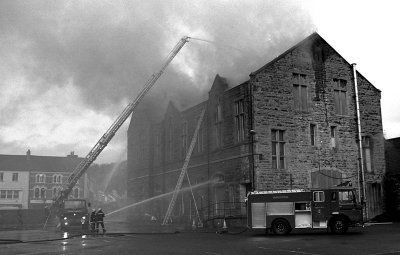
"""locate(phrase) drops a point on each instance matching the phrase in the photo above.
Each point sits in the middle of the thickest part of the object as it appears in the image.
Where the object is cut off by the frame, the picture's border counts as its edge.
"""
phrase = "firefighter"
(100, 220)
(93, 220)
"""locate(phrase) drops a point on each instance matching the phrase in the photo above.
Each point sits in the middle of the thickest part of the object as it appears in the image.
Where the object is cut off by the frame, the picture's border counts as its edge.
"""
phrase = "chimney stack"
(28, 155)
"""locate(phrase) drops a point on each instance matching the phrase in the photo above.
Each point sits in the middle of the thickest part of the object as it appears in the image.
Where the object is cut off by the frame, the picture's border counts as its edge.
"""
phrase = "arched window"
(57, 178)
(36, 195)
(76, 193)
(54, 192)
(43, 192)
(40, 178)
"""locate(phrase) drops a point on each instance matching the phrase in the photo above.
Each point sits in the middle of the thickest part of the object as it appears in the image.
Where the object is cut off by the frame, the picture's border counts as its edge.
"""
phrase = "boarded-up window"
(340, 92)
(300, 92)
(366, 143)
(239, 120)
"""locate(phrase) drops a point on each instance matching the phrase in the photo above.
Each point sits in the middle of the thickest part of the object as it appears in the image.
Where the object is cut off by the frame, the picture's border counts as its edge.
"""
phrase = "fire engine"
(74, 213)
(334, 209)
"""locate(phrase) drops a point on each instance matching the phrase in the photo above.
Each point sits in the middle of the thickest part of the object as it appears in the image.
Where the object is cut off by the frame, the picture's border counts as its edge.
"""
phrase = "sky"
(69, 68)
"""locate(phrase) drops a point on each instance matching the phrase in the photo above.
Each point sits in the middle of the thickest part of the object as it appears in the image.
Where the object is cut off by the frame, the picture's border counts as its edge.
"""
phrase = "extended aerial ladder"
(184, 172)
(109, 134)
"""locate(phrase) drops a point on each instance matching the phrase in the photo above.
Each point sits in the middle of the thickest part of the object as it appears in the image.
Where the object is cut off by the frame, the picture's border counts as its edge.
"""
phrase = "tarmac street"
(382, 239)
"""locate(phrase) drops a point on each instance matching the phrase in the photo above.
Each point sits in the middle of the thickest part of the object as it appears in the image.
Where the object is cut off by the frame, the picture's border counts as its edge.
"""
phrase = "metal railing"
(223, 210)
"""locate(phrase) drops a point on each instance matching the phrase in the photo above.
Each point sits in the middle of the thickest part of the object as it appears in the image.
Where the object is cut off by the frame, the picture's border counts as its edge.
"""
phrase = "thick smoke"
(108, 49)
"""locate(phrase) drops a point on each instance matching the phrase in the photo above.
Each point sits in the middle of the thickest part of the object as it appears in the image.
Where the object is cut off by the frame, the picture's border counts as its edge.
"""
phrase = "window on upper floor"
(200, 140)
(239, 120)
(312, 134)
(184, 138)
(57, 178)
(170, 141)
(218, 123)
(300, 93)
(76, 193)
(15, 177)
(340, 96)
(1, 176)
(333, 137)
(278, 148)
(367, 155)
(40, 178)
(158, 148)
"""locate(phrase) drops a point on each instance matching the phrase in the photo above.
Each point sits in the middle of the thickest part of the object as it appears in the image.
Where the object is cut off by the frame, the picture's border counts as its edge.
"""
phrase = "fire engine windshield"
(74, 204)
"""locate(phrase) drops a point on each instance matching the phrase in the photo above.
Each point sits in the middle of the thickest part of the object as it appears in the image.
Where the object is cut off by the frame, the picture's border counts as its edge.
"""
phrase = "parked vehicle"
(336, 209)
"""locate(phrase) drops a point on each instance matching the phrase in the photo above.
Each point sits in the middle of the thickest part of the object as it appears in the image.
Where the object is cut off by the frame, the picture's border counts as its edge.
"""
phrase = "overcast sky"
(68, 68)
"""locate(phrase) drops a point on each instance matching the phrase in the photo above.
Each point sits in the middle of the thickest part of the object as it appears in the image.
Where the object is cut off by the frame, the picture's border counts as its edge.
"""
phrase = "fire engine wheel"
(281, 227)
(339, 226)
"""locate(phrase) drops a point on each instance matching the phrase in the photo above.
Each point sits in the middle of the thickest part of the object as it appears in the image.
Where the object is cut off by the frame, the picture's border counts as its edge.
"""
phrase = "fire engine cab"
(281, 211)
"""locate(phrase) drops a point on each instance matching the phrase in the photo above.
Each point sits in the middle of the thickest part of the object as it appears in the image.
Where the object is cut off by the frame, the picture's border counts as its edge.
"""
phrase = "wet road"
(374, 240)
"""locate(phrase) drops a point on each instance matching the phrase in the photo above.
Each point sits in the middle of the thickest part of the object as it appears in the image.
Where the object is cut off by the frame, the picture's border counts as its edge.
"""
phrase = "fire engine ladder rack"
(109, 134)
(183, 173)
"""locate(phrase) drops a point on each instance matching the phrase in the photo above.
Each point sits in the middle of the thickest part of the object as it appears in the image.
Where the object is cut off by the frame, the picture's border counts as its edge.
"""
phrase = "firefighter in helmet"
(93, 220)
(100, 220)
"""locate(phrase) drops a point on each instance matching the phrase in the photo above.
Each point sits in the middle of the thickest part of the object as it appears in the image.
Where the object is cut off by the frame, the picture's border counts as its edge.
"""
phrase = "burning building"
(298, 122)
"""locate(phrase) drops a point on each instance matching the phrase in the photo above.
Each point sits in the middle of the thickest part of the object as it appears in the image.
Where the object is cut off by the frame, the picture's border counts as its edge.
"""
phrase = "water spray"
(159, 196)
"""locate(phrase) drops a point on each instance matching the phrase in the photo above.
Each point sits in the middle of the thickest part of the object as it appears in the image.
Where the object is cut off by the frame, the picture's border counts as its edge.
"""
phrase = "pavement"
(113, 228)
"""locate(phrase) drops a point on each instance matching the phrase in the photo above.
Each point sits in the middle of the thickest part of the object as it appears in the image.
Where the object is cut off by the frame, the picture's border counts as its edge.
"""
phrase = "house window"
(57, 178)
(40, 178)
(43, 192)
(184, 139)
(3, 194)
(333, 137)
(15, 177)
(54, 192)
(239, 120)
(300, 92)
(76, 193)
(1, 176)
(16, 194)
(312, 134)
(367, 158)
(278, 149)
(37, 193)
(340, 91)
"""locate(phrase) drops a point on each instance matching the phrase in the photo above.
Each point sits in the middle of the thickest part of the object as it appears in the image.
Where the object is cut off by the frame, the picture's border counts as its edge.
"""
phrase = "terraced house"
(294, 124)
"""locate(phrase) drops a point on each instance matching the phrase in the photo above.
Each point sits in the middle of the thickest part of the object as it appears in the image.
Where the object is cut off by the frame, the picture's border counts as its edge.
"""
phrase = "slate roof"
(34, 163)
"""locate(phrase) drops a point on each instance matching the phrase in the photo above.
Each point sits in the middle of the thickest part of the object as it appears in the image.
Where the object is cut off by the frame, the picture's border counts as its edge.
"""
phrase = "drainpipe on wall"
(360, 148)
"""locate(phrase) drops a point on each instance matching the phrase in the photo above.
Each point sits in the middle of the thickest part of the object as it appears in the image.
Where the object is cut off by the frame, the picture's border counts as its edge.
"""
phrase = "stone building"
(293, 124)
